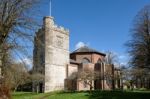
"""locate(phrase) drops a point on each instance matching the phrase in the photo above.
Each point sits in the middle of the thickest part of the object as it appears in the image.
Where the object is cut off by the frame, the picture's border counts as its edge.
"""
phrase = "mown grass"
(85, 95)
(82, 95)
(28, 95)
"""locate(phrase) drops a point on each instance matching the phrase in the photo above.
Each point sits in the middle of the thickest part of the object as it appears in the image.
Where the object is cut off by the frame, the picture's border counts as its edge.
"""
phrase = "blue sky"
(101, 24)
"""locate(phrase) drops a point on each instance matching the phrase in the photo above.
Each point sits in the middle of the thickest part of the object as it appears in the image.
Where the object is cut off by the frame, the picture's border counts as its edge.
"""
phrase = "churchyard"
(84, 95)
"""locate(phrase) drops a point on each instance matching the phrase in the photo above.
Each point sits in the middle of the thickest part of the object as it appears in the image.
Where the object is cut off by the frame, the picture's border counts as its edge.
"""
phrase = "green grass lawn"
(84, 95)
(28, 95)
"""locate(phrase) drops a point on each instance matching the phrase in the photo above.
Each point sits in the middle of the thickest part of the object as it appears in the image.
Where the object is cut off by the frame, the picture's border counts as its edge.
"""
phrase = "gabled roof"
(86, 49)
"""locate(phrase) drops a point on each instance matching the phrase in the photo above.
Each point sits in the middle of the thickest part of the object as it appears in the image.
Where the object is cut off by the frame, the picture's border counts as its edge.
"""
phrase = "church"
(52, 58)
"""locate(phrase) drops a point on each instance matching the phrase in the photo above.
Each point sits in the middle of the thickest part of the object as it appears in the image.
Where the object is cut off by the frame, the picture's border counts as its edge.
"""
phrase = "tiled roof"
(86, 49)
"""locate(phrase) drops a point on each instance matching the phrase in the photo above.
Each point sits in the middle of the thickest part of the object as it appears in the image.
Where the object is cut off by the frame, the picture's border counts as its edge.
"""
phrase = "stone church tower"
(51, 55)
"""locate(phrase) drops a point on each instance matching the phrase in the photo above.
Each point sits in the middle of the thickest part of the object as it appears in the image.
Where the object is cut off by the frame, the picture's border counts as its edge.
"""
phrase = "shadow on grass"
(111, 94)
(119, 95)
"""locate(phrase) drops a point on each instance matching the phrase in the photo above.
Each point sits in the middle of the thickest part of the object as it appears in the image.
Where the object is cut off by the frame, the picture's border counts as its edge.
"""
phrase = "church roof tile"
(86, 49)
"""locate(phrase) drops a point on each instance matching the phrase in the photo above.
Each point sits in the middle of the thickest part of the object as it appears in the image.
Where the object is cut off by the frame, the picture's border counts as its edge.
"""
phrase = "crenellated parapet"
(60, 29)
(50, 24)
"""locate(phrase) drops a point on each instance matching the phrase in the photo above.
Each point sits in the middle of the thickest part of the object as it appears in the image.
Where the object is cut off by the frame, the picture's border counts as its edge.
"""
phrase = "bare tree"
(16, 75)
(17, 25)
(140, 77)
(88, 76)
(125, 76)
(109, 74)
(139, 45)
(13, 17)
(36, 79)
(111, 57)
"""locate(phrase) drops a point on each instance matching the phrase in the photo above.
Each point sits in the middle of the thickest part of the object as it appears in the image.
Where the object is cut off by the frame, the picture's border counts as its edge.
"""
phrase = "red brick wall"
(96, 57)
(92, 57)
(80, 57)
(72, 68)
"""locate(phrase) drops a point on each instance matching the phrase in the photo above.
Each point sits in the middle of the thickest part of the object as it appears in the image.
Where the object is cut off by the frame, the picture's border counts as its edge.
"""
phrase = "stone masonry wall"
(56, 55)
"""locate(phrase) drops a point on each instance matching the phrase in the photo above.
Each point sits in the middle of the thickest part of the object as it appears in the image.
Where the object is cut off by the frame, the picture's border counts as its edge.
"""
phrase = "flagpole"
(50, 9)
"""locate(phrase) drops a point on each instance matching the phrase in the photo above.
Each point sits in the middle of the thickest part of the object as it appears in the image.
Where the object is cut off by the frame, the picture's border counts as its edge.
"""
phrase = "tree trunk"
(91, 87)
(0, 60)
(113, 84)
(15, 88)
(37, 89)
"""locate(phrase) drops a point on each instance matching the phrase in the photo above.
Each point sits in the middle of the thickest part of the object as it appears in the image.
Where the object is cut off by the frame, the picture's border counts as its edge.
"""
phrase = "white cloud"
(79, 44)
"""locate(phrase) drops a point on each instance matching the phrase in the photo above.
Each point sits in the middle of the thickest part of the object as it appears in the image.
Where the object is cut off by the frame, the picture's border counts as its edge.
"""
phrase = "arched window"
(85, 61)
(99, 61)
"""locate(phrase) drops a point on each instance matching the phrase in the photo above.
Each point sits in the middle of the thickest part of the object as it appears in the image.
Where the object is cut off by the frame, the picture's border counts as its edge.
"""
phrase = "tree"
(126, 76)
(36, 79)
(87, 76)
(140, 77)
(111, 57)
(136, 77)
(139, 45)
(13, 17)
(109, 74)
(16, 75)
(111, 61)
(17, 25)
